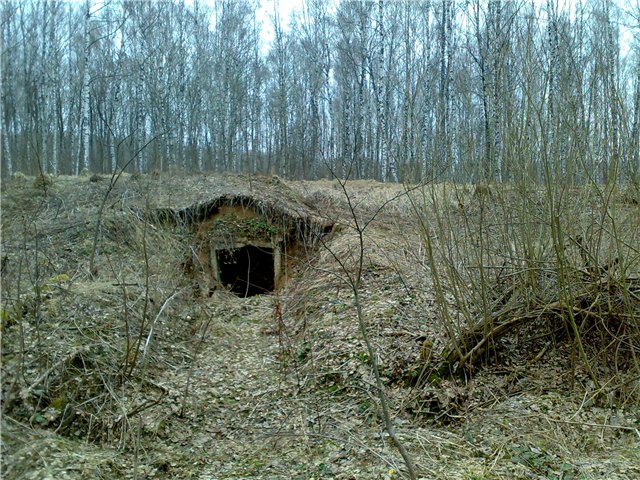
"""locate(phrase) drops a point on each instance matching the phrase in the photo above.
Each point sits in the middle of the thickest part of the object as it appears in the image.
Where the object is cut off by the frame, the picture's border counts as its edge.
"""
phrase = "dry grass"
(281, 386)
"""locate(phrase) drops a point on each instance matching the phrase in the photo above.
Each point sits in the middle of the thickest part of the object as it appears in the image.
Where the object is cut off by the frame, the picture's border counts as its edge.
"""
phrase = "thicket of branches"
(553, 266)
(397, 90)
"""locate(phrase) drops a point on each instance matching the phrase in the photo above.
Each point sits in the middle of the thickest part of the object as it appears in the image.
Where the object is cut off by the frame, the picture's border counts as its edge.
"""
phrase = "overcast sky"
(286, 7)
(265, 13)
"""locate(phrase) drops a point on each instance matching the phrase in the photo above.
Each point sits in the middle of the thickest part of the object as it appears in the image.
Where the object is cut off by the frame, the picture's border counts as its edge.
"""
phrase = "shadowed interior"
(247, 270)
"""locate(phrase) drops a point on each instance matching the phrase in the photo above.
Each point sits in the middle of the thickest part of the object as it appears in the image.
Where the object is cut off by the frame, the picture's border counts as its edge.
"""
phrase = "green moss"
(251, 227)
(59, 402)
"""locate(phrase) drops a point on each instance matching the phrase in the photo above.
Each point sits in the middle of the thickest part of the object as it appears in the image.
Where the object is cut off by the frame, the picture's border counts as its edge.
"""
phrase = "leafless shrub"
(537, 262)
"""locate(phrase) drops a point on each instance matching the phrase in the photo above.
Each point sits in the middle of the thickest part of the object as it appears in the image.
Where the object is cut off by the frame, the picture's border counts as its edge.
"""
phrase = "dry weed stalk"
(204, 331)
(115, 176)
(354, 282)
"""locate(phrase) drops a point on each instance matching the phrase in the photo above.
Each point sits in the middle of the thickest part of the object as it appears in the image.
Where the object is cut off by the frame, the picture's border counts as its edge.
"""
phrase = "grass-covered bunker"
(248, 243)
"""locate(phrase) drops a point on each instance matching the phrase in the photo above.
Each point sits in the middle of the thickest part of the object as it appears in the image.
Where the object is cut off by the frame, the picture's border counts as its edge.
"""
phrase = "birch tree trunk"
(85, 94)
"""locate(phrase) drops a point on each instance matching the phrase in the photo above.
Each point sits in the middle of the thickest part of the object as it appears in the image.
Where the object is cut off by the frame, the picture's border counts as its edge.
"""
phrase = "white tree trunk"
(85, 94)
(8, 161)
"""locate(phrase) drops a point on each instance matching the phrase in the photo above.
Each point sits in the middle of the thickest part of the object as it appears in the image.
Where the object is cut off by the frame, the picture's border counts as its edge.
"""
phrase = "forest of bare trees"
(390, 90)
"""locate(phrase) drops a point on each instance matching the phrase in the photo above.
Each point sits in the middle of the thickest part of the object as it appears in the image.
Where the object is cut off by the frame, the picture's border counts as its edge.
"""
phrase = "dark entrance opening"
(247, 270)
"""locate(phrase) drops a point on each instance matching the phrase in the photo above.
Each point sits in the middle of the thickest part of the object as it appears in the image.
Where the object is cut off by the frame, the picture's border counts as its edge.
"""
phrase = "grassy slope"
(278, 386)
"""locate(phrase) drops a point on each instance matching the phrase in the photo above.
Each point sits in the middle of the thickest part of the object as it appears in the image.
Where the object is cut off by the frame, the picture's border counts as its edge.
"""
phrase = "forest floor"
(273, 386)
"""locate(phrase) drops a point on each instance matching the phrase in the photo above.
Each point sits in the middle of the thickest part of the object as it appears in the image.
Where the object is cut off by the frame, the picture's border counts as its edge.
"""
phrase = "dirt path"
(238, 405)
(245, 419)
